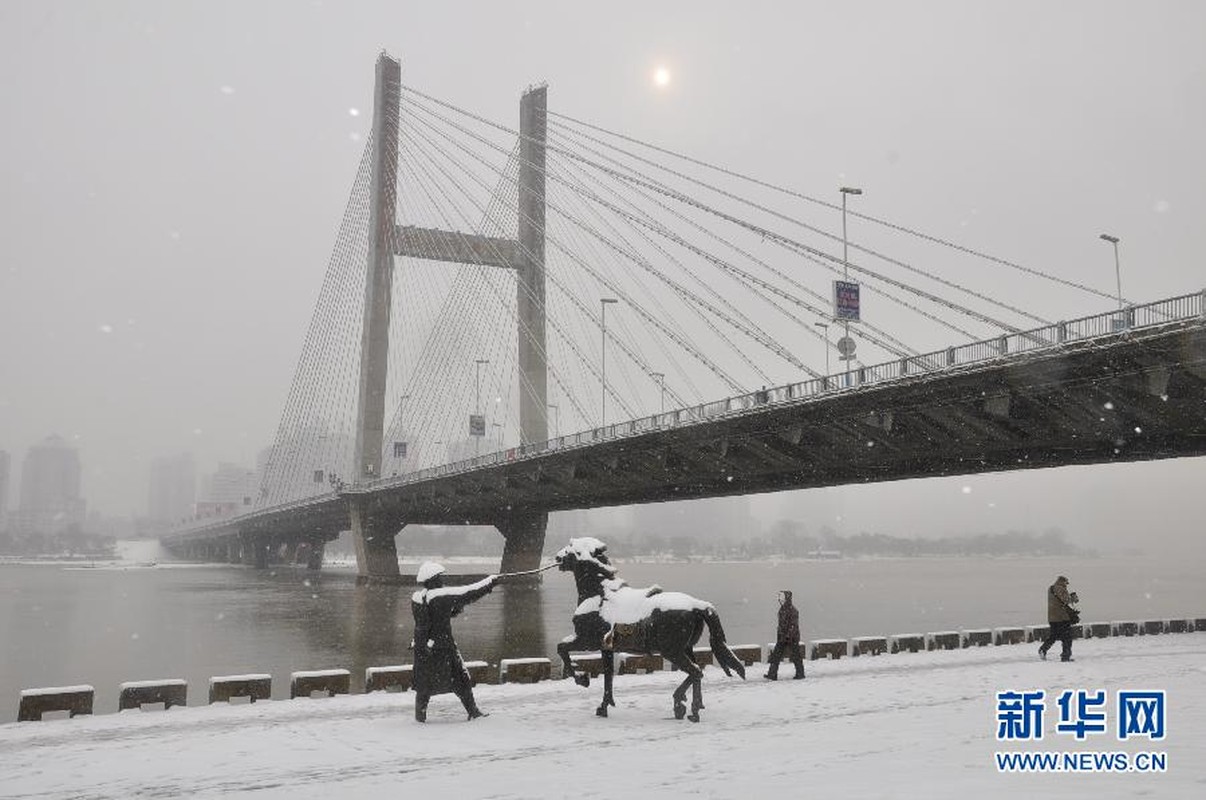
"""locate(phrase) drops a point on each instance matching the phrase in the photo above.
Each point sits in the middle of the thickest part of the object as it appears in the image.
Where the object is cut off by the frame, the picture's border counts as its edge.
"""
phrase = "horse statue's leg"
(682, 660)
(608, 658)
(564, 647)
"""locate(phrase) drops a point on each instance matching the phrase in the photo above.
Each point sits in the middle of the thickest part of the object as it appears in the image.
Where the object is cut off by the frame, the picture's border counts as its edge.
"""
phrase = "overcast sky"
(172, 176)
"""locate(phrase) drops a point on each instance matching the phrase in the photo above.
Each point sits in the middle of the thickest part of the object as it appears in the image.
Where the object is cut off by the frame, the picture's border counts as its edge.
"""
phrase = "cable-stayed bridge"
(559, 316)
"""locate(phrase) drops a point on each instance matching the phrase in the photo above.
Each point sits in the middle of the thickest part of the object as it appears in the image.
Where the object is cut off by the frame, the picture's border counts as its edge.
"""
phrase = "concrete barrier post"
(525, 670)
(225, 687)
(385, 679)
(331, 681)
(72, 699)
(136, 694)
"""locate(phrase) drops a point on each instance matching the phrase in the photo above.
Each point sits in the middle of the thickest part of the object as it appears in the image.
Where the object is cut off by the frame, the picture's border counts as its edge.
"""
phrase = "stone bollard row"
(76, 700)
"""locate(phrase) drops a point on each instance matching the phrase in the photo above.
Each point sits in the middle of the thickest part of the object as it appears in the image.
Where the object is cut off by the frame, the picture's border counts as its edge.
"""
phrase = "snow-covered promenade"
(908, 725)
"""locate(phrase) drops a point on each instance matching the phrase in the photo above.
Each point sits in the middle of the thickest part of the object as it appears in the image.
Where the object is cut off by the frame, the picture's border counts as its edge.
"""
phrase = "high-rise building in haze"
(230, 491)
(50, 488)
(172, 489)
(5, 472)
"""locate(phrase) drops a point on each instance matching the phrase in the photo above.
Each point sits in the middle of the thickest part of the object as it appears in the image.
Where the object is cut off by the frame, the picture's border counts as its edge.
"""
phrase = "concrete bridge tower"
(376, 551)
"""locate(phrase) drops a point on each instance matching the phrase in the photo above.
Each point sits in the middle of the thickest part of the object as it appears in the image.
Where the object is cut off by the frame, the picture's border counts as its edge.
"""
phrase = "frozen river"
(64, 625)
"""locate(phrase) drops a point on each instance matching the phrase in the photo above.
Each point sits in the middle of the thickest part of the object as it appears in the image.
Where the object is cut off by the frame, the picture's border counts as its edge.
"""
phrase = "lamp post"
(660, 377)
(1117, 268)
(477, 446)
(824, 326)
(604, 302)
(846, 191)
(556, 419)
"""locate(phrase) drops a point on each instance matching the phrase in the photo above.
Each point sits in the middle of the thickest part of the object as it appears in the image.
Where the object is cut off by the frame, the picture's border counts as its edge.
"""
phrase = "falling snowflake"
(355, 112)
(966, 490)
(1109, 405)
(227, 90)
(1162, 207)
(106, 329)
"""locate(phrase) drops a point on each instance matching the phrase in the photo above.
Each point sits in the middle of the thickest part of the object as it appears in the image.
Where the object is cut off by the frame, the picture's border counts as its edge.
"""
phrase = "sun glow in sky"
(661, 77)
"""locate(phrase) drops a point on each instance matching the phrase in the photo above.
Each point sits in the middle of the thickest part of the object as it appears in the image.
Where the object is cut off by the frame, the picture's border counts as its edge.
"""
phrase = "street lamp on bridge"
(660, 377)
(824, 326)
(604, 302)
(477, 447)
(1117, 268)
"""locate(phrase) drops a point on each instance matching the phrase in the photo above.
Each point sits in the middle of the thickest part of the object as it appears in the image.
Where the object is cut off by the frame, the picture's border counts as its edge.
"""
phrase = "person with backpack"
(1061, 616)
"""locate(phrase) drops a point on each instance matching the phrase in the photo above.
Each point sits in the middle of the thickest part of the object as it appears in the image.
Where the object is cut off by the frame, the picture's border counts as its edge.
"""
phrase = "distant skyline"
(174, 175)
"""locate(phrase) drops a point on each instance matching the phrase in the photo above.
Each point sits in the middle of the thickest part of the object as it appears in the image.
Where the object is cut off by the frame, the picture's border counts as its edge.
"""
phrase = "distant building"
(50, 489)
(5, 473)
(172, 490)
(232, 487)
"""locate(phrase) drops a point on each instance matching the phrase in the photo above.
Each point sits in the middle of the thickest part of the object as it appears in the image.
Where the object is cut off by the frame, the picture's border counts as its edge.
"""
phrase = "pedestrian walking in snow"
(787, 638)
(438, 665)
(1061, 616)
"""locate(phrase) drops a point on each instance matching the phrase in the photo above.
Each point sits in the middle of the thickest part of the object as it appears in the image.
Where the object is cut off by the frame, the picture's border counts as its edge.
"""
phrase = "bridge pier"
(524, 535)
(314, 554)
(255, 552)
(376, 550)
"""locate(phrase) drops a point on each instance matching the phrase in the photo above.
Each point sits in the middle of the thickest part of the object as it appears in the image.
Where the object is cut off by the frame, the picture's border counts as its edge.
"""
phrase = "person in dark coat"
(438, 666)
(787, 638)
(1060, 616)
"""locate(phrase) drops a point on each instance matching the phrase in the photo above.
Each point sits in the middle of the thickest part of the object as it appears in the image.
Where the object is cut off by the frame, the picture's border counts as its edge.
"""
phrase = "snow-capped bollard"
(1178, 626)
(1037, 633)
(1152, 626)
(331, 681)
(479, 672)
(976, 638)
(72, 699)
(702, 656)
(136, 694)
(1008, 636)
(868, 646)
(827, 648)
(587, 663)
(224, 687)
(634, 663)
(943, 640)
(906, 643)
(748, 654)
(525, 670)
(1126, 628)
(1097, 630)
(383, 679)
(1199, 624)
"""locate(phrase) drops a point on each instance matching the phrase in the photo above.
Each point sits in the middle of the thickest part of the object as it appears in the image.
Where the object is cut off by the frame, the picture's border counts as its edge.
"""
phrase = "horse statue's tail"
(725, 657)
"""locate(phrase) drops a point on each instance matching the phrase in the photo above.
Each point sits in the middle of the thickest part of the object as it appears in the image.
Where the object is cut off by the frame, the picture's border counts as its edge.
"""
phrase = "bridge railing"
(1160, 312)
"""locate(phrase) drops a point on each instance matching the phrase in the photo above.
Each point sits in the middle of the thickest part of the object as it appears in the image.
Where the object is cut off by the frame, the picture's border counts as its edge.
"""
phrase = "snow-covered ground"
(919, 725)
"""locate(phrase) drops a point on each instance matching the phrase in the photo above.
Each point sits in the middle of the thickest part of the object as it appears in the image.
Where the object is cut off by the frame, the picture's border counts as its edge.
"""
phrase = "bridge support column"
(315, 553)
(376, 550)
(255, 552)
(524, 535)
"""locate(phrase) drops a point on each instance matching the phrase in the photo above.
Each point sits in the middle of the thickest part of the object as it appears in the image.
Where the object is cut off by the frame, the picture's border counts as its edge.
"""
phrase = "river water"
(70, 624)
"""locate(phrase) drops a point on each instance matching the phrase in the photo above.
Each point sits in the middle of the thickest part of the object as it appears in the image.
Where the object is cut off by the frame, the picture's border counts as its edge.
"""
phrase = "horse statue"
(613, 616)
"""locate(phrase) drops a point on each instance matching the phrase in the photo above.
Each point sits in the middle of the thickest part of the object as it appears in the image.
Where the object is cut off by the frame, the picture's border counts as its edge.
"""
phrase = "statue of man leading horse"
(613, 616)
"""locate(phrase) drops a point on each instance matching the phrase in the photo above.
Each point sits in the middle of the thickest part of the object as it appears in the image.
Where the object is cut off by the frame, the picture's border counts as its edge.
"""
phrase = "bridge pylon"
(374, 536)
